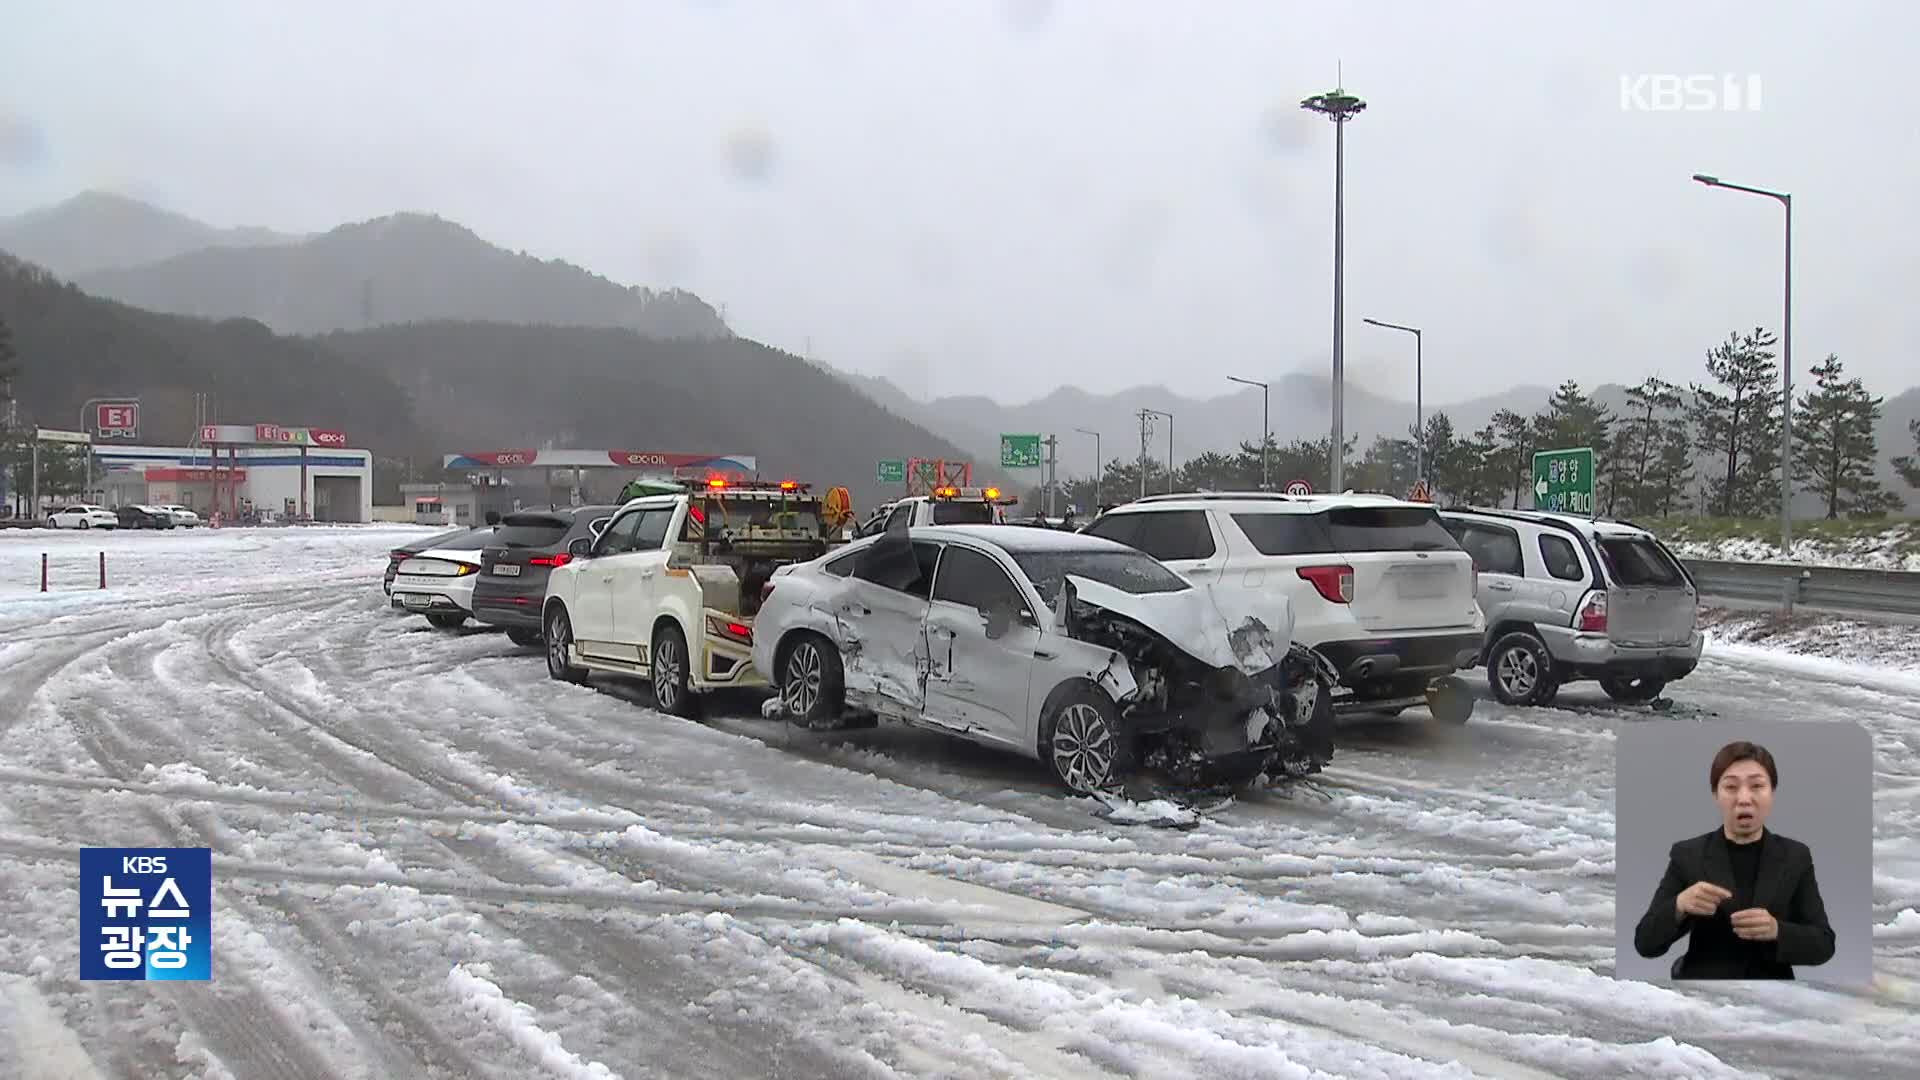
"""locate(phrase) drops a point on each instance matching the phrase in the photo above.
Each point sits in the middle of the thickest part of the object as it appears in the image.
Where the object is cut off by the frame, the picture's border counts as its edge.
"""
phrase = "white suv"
(1378, 586)
(1570, 598)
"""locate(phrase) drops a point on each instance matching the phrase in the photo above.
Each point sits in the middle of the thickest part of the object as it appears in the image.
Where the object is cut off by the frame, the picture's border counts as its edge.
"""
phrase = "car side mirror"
(581, 548)
(999, 620)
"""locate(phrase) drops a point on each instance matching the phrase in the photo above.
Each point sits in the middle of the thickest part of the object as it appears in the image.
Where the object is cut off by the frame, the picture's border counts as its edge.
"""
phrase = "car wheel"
(812, 682)
(1520, 670)
(526, 637)
(1082, 744)
(447, 620)
(85, 524)
(559, 637)
(53, 522)
(1620, 688)
(1450, 701)
(669, 667)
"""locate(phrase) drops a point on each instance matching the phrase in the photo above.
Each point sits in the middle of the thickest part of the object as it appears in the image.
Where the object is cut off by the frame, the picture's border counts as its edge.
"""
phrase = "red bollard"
(43, 571)
(103, 569)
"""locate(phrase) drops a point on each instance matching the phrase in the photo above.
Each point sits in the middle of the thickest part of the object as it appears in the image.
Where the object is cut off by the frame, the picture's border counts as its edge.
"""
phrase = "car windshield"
(1633, 561)
(962, 513)
(1129, 571)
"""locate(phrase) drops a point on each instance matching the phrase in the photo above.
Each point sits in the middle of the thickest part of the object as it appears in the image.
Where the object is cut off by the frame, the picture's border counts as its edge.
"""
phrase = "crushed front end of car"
(1221, 695)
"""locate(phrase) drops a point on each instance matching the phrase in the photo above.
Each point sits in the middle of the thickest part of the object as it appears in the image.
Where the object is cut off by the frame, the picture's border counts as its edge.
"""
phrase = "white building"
(338, 482)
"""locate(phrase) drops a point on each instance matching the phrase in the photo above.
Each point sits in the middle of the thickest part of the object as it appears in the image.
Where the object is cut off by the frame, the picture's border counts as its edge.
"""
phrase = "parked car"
(1080, 652)
(514, 565)
(670, 590)
(143, 517)
(1569, 598)
(82, 516)
(438, 582)
(456, 538)
(183, 517)
(1378, 586)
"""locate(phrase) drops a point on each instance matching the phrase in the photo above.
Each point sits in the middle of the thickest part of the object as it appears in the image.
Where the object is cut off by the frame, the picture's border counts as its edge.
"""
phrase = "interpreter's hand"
(1756, 924)
(1700, 898)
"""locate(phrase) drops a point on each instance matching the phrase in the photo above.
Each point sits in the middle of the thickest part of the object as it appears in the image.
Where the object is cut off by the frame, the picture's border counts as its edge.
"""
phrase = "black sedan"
(515, 563)
(144, 517)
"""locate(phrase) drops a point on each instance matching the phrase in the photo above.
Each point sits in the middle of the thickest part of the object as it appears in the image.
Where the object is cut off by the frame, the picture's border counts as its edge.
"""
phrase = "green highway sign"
(1019, 451)
(893, 472)
(1563, 480)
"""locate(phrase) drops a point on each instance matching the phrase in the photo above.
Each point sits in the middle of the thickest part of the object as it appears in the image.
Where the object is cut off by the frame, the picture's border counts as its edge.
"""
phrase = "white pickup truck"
(669, 589)
(946, 506)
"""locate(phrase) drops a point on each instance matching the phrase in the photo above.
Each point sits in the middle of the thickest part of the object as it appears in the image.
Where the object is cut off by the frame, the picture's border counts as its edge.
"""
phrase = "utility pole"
(1339, 106)
(1266, 429)
(1146, 426)
(1053, 471)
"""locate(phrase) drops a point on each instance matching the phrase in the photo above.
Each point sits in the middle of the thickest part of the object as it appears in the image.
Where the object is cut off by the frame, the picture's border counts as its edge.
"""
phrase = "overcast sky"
(1001, 196)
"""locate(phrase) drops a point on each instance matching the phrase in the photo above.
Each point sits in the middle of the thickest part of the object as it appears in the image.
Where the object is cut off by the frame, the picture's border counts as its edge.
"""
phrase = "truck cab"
(945, 506)
(669, 589)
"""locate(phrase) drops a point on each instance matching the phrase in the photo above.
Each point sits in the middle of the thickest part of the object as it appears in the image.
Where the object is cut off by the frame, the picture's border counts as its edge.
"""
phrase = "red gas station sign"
(118, 420)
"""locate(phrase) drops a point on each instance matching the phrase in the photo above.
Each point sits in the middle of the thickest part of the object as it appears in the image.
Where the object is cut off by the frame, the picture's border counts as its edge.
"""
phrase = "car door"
(1497, 556)
(981, 637)
(883, 621)
(1184, 540)
(635, 585)
(1558, 578)
(591, 606)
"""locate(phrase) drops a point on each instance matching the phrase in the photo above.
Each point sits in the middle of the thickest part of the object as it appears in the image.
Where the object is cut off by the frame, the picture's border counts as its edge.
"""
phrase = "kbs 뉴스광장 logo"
(146, 913)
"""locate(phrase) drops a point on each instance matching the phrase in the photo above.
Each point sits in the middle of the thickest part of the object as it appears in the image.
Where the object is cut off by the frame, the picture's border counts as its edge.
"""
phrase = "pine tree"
(1908, 465)
(1573, 419)
(1514, 443)
(1740, 427)
(1653, 408)
(1834, 427)
(1442, 450)
(1477, 472)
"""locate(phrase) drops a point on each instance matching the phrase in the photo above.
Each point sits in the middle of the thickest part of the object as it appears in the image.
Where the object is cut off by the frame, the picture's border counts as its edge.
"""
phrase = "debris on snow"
(1160, 813)
(771, 708)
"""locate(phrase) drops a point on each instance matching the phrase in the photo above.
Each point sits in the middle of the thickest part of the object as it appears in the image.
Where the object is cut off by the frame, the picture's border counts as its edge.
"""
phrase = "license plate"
(1421, 584)
(507, 569)
(416, 601)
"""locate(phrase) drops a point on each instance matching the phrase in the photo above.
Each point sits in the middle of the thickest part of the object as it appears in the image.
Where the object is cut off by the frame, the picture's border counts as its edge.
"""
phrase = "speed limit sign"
(1299, 488)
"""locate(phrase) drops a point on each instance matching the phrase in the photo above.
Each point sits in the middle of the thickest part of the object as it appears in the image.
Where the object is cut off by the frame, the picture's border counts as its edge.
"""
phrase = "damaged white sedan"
(1080, 652)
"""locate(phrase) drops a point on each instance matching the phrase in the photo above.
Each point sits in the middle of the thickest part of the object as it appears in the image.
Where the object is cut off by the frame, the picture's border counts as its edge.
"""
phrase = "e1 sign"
(119, 420)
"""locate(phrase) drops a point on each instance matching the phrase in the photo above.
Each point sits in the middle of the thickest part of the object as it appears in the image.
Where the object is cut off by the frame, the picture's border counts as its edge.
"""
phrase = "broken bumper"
(1244, 725)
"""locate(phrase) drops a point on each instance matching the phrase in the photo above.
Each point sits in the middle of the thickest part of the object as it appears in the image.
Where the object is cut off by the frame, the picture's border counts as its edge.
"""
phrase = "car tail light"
(1593, 614)
(731, 629)
(1335, 583)
(561, 559)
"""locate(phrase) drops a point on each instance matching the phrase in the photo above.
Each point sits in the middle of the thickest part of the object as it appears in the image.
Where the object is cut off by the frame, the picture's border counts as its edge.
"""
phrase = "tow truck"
(947, 505)
(669, 588)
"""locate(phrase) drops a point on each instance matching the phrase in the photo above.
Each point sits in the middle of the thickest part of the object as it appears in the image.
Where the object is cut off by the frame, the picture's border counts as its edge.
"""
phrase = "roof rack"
(1172, 496)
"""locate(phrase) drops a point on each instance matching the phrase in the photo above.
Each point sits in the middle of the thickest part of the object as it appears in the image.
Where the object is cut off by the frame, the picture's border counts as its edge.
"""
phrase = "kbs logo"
(1690, 93)
(146, 913)
(117, 421)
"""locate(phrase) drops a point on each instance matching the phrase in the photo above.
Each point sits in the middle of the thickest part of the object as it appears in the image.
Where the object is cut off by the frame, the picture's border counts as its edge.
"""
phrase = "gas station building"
(280, 471)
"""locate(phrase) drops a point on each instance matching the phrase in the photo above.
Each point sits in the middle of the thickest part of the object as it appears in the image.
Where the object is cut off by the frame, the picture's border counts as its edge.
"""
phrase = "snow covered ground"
(433, 861)
(1896, 547)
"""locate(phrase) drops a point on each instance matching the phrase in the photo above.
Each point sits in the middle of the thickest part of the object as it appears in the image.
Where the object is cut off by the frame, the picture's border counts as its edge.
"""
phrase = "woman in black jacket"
(1745, 898)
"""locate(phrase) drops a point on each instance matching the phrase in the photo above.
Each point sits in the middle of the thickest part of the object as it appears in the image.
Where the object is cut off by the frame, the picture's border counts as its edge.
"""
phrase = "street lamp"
(1266, 481)
(1099, 463)
(1339, 106)
(1786, 360)
(1419, 420)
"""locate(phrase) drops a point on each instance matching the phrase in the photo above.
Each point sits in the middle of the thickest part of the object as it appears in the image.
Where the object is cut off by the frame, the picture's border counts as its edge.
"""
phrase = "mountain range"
(421, 301)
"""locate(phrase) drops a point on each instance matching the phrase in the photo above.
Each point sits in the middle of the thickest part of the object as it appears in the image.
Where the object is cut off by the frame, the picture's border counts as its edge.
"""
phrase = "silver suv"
(1568, 598)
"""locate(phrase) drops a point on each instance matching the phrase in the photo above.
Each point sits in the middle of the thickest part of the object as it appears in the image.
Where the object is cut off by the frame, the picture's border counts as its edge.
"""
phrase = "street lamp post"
(1339, 106)
(1419, 417)
(1099, 463)
(1266, 480)
(1786, 359)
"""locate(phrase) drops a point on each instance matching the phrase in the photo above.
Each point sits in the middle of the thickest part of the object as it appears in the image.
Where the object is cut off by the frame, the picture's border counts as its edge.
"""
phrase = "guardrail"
(1884, 592)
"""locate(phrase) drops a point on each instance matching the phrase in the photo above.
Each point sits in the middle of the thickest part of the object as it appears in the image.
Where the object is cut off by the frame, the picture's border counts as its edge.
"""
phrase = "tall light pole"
(1786, 360)
(1099, 463)
(1419, 417)
(1266, 480)
(1339, 106)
